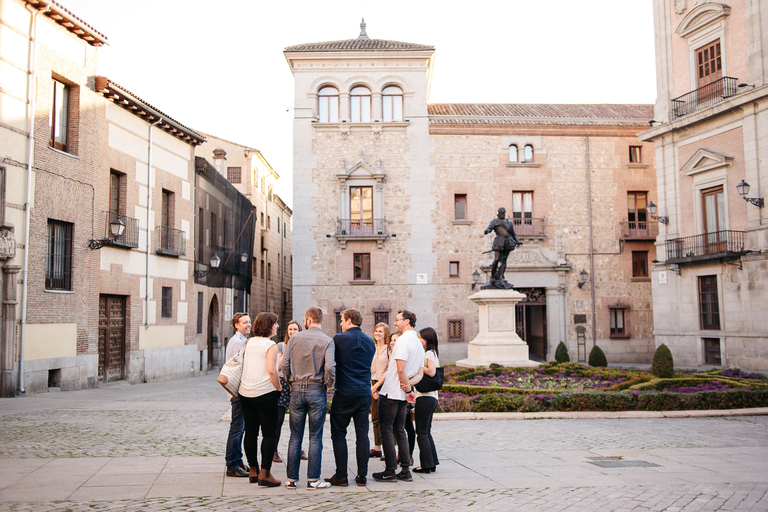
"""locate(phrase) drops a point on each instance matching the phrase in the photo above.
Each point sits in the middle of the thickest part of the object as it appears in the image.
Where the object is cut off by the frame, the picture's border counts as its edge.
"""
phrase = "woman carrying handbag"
(426, 403)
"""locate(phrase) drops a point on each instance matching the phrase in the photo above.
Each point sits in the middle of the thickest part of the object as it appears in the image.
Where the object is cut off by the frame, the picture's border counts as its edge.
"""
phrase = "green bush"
(597, 357)
(663, 365)
(561, 354)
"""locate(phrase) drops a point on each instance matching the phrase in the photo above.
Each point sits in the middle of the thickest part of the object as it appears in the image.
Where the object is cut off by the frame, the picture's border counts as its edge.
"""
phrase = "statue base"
(497, 342)
(497, 284)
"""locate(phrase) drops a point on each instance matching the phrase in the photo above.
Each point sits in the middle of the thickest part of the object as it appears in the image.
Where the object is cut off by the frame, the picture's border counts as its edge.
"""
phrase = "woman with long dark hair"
(426, 403)
(258, 393)
(285, 394)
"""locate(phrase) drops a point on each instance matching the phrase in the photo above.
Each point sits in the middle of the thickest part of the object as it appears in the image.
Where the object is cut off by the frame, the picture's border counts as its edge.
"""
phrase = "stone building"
(710, 133)
(392, 195)
(251, 174)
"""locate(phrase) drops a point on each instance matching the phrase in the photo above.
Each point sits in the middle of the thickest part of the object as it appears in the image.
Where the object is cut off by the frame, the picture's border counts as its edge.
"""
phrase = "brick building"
(393, 195)
(710, 130)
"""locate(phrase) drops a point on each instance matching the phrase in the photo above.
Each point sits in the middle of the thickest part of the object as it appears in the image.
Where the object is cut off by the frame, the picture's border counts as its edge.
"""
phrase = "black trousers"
(425, 409)
(343, 410)
(392, 425)
(260, 412)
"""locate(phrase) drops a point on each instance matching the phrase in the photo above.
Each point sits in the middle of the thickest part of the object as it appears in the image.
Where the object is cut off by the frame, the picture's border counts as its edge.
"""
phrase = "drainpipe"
(149, 210)
(282, 268)
(28, 199)
(591, 246)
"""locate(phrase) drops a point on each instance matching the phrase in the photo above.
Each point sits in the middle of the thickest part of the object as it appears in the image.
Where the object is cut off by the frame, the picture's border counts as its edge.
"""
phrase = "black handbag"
(427, 383)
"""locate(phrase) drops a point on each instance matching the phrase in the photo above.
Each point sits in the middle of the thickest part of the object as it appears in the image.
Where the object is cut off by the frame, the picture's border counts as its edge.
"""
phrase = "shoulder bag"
(232, 372)
(427, 383)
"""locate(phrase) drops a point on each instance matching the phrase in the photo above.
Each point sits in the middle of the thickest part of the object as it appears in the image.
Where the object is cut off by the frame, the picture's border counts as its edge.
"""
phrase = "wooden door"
(111, 338)
(713, 201)
(709, 69)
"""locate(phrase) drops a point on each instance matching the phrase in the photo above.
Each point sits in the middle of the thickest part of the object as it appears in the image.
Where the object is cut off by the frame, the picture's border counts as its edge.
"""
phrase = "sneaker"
(361, 481)
(304, 455)
(318, 484)
(290, 484)
(340, 482)
(405, 475)
(385, 476)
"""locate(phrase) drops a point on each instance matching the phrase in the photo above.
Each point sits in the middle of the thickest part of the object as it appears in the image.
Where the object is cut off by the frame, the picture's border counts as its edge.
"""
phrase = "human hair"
(262, 326)
(353, 315)
(292, 322)
(314, 314)
(408, 315)
(392, 337)
(386, 331)
(429, 335)
(236, 319)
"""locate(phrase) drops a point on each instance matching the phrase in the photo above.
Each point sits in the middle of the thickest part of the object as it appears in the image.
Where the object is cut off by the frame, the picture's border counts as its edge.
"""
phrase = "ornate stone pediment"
(362, 170)
(705, 160)
(701, 16)
(530, 256)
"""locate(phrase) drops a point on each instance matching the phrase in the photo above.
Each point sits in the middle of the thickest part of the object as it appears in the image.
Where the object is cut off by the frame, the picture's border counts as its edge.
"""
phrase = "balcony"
(641, 230)
(529, 228)
(703, 97)
(361, 230)
(171, 242)
(719, 245)
(130, 236)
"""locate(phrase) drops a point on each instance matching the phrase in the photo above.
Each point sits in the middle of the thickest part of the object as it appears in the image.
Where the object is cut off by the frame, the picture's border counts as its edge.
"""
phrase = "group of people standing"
(376, 377)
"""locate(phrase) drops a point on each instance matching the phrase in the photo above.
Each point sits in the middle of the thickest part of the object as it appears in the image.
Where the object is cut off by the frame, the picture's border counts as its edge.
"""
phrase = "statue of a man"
(504, 243)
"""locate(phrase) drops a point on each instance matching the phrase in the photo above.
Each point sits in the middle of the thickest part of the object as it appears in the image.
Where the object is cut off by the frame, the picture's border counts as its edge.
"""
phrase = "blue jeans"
(344, 409)
(234, 455)
(306, 401)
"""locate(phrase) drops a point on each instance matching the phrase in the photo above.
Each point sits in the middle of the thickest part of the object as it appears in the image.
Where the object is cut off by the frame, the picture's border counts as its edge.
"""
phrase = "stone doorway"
(213, 338)
(531, 319)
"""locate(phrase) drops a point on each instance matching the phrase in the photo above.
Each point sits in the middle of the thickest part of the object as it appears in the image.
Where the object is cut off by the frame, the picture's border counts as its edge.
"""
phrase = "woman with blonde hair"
(378, 371)
(258, 393)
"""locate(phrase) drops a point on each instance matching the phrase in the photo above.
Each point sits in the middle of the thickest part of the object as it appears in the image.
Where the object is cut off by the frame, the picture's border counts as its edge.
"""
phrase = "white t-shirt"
(408, 348)
(430, 356)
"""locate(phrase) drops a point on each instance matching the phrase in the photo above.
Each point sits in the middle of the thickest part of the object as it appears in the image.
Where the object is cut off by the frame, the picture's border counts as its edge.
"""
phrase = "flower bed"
(573, 387)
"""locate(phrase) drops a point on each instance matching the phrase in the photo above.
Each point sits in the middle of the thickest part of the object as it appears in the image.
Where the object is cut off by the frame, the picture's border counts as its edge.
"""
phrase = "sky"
(218, 66)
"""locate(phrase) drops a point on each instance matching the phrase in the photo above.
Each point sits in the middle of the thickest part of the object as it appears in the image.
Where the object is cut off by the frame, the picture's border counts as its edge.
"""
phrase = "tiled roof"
(138, 107)
(358, 45)
(538, 114)
(69, 21)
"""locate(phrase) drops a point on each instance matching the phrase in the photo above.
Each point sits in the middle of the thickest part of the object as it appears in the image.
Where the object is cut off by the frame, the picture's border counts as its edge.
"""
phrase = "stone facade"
(434, 178)
(709, 287)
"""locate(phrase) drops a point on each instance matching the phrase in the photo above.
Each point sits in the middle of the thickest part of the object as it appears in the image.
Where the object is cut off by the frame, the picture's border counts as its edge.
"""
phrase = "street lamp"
(116, 227)
(475, 278)
(743, 189)
(215, 262)
(583, 276)
(652, 212)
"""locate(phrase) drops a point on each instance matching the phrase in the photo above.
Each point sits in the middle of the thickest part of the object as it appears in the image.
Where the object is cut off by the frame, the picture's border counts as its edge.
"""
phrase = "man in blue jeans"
(352, 351)
(307, 366)
(234, 458)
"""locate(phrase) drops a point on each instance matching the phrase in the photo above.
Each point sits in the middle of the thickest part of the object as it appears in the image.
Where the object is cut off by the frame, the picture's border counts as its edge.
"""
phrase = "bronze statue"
(505, 242)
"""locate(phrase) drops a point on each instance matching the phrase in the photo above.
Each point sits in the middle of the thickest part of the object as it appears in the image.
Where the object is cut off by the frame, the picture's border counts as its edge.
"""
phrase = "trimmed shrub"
(597, 357)
(561, 354)
(663, 365)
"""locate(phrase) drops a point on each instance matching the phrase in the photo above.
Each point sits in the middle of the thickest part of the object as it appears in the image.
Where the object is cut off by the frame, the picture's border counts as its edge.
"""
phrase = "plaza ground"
(160, 446)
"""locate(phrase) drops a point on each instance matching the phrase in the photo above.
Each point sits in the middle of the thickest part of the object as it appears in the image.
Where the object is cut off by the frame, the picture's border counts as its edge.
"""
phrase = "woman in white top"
(378, 372)
(259, 392)
(426, 403)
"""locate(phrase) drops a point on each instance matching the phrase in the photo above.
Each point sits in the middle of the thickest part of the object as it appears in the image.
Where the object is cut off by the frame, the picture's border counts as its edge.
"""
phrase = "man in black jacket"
(352, 351)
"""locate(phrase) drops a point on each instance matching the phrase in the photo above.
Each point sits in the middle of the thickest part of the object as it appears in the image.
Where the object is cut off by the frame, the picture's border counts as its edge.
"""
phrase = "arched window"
(528, 153)
(392, 107)
(360, 104)
(513, 154)
(328, 105)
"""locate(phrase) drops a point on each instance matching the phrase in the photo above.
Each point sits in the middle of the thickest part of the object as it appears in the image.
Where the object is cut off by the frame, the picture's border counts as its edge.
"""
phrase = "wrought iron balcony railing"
(130, 236)
(726, 244)
(529, 227)
(704, 97)
(170, 242)
(639, 230)
(361, 227)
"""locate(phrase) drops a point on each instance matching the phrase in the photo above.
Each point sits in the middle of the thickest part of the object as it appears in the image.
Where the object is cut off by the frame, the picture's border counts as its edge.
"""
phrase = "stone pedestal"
(497, 342)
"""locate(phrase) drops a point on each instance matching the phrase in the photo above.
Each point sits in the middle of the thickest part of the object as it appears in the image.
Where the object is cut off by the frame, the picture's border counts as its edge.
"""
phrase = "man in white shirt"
(405, 369)
(235, 466)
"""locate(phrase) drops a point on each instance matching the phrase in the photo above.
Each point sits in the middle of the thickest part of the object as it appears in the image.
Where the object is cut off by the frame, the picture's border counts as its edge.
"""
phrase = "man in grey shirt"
(308, 367)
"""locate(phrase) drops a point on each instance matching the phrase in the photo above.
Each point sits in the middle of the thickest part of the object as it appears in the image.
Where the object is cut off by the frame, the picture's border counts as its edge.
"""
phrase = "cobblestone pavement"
(160, 446)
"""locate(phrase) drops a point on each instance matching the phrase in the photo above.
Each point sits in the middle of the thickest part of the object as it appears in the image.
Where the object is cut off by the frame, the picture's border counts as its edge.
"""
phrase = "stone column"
(8, 340)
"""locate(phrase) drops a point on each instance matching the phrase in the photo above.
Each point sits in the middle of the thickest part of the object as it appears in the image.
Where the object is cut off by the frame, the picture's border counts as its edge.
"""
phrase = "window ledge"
(59, 151)
(619, 336)
(65, 292)
(522, 164)
(461, 222)
(169, 252)
(639, 279)
(362, 282)
(371, 126)
(637, 166)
